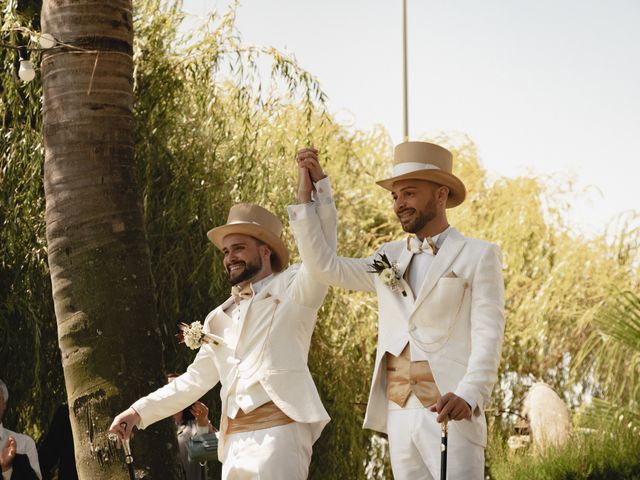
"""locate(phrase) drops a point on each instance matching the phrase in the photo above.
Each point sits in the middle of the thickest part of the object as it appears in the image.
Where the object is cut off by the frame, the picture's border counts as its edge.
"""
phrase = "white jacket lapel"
(441, 262)
(403, 263)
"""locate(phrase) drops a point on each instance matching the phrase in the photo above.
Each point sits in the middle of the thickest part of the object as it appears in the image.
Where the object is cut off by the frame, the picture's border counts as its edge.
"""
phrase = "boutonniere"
(194, 336)
(387, 272)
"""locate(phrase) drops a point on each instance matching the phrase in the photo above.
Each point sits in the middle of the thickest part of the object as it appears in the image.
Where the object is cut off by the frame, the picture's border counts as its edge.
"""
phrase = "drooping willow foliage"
(218, 122)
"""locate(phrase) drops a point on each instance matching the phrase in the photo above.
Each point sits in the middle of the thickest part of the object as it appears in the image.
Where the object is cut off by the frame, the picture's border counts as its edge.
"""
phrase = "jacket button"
(413, 382)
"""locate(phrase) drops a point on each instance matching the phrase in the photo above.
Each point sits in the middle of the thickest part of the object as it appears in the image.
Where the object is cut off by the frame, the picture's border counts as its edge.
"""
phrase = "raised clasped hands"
(452, 407)
(309, 172)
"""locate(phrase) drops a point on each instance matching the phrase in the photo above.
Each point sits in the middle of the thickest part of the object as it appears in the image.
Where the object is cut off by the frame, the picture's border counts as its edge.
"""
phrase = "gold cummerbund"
(265, 416)
(405, 377)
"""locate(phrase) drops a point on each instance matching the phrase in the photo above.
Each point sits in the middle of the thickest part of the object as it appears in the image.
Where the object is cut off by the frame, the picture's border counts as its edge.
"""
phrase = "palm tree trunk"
(98, 254)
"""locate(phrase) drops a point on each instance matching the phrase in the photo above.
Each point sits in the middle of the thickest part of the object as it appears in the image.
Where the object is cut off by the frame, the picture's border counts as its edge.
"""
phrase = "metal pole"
(405, 88)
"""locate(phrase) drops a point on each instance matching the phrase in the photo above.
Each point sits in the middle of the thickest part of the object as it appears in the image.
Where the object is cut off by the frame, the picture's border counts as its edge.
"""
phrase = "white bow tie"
(428, 246)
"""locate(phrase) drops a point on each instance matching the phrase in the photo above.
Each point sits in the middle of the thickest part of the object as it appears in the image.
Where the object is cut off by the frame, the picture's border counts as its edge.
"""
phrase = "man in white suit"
(271, 410)
(440, 315)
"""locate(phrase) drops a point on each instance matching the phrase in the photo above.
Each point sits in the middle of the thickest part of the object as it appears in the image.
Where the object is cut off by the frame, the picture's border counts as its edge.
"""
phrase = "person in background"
(16, 448)
(55, 448)
(192, 421)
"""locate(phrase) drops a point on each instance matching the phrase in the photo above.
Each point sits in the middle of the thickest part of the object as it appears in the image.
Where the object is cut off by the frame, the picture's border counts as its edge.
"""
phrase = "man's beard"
(250, 270)
(421, 218)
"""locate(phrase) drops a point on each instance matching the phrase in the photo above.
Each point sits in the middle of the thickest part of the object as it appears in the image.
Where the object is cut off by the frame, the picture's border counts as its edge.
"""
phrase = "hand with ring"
(201, 412)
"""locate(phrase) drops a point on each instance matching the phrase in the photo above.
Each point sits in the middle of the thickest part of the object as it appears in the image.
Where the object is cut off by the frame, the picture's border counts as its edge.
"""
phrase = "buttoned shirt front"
(252, 396)
(24, 446)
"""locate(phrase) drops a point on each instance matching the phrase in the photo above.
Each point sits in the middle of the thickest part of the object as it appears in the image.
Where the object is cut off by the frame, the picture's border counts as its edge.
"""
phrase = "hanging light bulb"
(26, 71)
(46, 40)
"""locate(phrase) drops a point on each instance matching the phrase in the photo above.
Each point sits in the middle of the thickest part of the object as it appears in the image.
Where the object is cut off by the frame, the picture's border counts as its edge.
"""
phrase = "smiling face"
(420, 206)
(245, 258)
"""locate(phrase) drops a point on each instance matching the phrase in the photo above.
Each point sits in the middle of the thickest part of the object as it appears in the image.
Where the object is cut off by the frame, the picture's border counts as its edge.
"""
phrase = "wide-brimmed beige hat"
(426, 161)
(257, 222)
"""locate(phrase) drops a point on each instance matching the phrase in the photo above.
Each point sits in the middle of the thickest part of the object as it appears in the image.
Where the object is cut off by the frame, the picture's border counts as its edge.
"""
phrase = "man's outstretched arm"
(307, 223)
(200, 377)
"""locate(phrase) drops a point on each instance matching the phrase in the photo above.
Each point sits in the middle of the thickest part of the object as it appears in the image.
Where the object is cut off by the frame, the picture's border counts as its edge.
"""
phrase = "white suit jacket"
(456, 320)
(272, 350)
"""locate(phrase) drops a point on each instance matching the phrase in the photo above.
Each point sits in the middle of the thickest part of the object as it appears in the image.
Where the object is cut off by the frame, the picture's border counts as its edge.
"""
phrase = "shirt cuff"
(6, 475)
(300, 211)
(323, 193)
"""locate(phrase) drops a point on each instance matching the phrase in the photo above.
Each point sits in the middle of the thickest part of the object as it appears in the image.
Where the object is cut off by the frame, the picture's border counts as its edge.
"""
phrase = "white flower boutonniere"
(388, 273)
(194, 336)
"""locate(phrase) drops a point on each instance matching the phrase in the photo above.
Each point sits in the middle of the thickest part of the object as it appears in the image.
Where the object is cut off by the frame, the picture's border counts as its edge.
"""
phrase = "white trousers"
(414, 447)
(276, 453)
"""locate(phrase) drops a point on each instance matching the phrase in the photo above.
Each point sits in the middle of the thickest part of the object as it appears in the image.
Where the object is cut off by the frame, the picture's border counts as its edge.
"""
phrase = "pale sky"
(549, 87)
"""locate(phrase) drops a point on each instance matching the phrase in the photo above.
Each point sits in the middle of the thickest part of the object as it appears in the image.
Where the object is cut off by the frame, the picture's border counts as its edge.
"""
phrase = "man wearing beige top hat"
(440, 315)
(271, 410)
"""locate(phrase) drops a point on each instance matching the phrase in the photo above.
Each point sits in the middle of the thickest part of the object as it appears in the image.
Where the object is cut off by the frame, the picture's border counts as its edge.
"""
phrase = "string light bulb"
(26, 71)
(46, 40)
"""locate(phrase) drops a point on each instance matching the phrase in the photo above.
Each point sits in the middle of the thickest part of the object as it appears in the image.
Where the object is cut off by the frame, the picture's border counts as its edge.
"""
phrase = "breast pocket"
(440, 311)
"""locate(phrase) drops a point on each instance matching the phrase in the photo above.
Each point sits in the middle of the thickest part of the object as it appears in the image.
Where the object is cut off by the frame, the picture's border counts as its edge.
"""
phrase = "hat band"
(408, 167)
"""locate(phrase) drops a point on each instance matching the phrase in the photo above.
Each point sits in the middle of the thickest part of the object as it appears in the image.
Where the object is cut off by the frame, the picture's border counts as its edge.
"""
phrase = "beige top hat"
(426, 161)
(257, 222)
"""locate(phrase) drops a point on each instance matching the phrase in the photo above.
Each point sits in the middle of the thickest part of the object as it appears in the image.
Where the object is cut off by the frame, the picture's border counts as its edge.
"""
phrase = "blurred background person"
(13, 445)
(190, 422)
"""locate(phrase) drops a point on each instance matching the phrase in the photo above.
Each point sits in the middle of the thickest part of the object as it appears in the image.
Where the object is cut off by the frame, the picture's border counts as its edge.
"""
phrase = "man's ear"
(267, 251)
(443, 193)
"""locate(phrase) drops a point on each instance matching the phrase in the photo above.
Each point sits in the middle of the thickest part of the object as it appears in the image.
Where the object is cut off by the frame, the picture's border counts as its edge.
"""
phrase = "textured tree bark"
(103, 289)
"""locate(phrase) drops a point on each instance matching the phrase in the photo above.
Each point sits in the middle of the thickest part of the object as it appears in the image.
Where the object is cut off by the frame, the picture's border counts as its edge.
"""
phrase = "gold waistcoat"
(265, 416)
(405, 377)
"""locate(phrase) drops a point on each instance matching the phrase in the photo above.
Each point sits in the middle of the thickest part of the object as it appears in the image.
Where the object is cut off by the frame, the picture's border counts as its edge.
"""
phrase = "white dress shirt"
(247, 397)
(420, 263)
(24, 446)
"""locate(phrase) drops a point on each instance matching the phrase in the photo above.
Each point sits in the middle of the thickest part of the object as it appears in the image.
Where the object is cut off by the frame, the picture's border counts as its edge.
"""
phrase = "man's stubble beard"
(421, 219)
(250, 270)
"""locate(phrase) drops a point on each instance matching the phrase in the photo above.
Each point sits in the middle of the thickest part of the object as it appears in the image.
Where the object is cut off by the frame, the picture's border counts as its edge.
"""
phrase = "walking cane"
(443, 449)
(128, 458)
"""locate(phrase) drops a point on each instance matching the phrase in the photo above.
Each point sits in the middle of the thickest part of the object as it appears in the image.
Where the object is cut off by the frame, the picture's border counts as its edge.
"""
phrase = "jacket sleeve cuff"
(139, 407)
(323, 193)
(300, 211)
(467, 395)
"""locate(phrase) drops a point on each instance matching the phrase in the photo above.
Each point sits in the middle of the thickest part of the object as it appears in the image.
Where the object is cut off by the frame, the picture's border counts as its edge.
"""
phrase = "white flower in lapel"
(387, 272)
(194, 336)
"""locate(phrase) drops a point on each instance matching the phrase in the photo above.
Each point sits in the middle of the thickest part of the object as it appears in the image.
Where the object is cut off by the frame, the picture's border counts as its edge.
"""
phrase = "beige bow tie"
(414, 245)
(240, 294)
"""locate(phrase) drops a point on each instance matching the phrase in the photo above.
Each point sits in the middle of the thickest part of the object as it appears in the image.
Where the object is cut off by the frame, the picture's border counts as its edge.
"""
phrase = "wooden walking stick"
(443, 448)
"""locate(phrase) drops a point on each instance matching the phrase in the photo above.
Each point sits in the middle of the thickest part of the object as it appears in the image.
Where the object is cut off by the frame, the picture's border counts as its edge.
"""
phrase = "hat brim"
(457, 190)
(216, 235)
